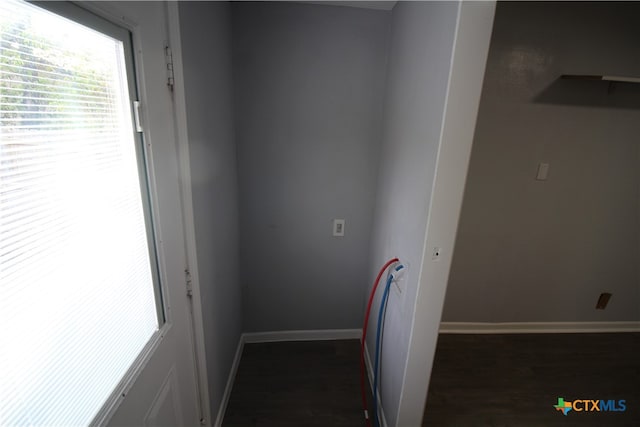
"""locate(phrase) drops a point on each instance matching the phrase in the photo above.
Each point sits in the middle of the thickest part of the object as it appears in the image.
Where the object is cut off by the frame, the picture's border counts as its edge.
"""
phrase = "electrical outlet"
(338, 227)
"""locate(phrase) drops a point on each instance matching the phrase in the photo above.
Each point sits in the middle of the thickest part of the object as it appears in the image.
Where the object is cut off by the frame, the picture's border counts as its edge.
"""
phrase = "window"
(79, 294)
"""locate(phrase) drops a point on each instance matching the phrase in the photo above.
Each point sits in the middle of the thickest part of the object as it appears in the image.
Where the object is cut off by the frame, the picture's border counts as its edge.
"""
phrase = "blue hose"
(383, 303)
(385, 295)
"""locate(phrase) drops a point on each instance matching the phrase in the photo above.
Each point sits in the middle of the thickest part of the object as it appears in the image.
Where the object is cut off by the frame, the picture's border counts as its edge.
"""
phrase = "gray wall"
(529, 250)
(206, 44)
(309, 82)
(422, 39)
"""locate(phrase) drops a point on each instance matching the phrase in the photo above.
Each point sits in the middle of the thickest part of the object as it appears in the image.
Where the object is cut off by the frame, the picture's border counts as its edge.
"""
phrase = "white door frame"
(182, 137)
(471, 48)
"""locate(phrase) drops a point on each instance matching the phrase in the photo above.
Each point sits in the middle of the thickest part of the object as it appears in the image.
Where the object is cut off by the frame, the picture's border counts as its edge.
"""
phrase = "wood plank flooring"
(477, 380)
(514, 380)
(297, 384)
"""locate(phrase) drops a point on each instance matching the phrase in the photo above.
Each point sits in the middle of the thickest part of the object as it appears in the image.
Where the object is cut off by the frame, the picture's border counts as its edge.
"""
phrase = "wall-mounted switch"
(338, 227)
(543, 171)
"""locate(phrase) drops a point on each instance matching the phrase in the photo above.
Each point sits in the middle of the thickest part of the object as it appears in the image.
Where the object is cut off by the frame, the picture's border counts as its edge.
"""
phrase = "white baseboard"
(312, 335)
(537, 327)
(367, 359)
(230, 380)
(275, 336)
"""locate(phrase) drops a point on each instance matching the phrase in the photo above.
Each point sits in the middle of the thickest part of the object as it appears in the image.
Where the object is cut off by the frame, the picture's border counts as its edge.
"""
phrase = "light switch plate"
(543, 171)
(338, 227)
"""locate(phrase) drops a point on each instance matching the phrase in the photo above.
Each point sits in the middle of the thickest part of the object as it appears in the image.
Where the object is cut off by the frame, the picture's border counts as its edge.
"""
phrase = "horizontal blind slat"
(5, 83)
(61, 99)
(28, 87)
(75, 84)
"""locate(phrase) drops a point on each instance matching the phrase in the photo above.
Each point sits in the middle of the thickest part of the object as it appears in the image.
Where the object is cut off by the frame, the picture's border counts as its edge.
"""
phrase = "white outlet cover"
(338, 227)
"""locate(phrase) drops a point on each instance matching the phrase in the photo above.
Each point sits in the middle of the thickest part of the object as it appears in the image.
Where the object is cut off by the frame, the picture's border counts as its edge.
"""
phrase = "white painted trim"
(621, 79)
(182, 136)
(468, 63)
(311, 335)
(369, 365)
(230, 380)
(537, 327)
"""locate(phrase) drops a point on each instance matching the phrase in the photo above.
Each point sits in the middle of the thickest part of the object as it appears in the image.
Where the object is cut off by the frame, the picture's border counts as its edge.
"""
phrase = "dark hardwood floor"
(297, 384)
(477, 380)
(514, 380)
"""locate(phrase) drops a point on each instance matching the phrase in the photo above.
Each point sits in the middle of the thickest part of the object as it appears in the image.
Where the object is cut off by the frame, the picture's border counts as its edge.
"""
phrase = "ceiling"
(380, 5)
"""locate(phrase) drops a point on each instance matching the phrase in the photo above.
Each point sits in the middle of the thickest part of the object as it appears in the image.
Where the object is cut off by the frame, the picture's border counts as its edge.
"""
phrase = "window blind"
(77, 297)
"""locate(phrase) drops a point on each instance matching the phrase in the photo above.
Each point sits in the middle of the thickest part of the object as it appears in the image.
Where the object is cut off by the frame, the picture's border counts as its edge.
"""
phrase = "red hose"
(363, 390)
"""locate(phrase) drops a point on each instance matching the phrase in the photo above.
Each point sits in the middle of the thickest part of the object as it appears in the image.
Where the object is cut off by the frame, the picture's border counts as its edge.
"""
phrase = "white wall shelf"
(623, 79)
